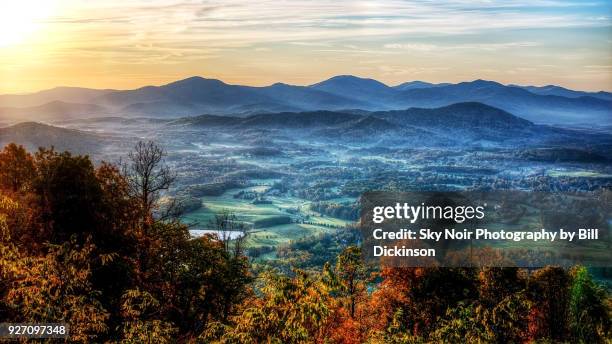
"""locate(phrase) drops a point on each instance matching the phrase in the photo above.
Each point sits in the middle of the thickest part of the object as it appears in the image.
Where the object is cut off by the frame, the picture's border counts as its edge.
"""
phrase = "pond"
(196, 233)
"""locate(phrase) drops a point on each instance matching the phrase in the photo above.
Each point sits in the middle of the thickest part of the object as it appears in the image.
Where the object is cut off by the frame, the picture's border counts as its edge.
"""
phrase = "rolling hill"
(33, 135)
(468, 119)
(460, 115)
(469, 123)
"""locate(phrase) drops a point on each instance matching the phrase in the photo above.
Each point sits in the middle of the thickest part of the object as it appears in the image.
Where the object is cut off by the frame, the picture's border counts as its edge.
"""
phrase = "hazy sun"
(21, 18)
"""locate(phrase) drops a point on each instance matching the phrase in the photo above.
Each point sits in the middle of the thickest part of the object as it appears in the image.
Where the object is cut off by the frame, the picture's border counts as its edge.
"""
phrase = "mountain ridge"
(555, 90)
(196, 95)
(51, 110)
(460, 115)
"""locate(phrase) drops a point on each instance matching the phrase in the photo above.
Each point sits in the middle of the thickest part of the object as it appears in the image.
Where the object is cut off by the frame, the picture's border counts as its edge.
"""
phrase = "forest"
(99, 247)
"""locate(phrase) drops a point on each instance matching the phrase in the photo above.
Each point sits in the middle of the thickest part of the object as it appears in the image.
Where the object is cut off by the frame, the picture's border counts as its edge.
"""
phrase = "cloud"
(196, 34)
(471, 46)
(412, 46)
(235, 22)
(414, 71)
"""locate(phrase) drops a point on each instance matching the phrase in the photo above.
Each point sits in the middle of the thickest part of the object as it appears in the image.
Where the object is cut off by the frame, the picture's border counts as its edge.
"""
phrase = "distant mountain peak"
(367, 90)
(195, 81)
(482, 82)
(347, 77)
(416, 84)
(280, 84)
(349, 80)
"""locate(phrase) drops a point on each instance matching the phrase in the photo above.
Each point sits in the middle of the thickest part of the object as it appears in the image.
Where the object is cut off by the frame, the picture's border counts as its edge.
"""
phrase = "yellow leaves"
(7, 206)
(291, 310)
(55, 287)
(16, 168)
(136, 303)
(107, 258)
(152, 331)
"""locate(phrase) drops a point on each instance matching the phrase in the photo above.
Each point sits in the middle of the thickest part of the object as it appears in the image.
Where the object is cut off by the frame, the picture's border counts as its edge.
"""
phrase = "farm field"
(250, 213)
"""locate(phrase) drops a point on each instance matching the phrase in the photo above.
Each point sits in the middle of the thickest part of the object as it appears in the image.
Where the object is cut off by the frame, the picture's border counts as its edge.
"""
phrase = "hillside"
(461, 115)
(33, 135)
(454, 123)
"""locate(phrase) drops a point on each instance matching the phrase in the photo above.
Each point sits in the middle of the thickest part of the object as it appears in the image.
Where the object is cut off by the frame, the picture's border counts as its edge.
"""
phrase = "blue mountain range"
(197, 95)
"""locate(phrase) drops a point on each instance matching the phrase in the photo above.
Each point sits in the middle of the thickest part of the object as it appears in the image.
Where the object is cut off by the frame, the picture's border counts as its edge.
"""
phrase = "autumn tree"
(424, 294)
(349, 277)
(497, 283)
(549, 289)
(17, 168)
(54, 286)
(290, 310)
(347, 283)
(69, 194)
(140, 323)
(464, 324)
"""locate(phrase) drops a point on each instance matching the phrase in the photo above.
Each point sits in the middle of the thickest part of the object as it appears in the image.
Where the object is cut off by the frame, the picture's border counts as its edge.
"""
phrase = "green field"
(248, 213)
(283, 234)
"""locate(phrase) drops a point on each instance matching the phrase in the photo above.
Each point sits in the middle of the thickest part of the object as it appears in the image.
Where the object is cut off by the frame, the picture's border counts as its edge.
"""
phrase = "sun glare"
(19, 19)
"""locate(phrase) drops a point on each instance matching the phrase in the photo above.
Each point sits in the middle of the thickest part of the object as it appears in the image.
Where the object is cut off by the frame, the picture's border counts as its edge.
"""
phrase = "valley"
(294, 177)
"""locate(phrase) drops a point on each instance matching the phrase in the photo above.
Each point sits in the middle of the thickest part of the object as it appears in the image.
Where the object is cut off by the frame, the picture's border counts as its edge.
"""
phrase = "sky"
(131, 43)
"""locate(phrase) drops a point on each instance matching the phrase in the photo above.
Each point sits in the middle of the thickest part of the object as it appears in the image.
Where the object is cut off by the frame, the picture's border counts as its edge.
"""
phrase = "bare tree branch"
(148, 177)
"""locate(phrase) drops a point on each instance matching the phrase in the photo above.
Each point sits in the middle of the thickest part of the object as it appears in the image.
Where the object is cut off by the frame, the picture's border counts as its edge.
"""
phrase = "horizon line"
(301, 85)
